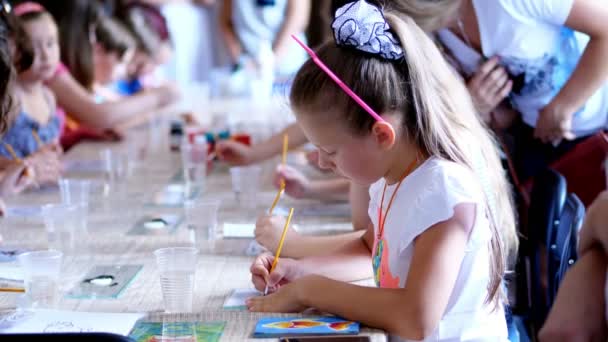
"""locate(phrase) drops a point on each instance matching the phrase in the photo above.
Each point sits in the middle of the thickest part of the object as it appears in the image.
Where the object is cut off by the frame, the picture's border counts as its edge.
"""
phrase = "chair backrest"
(563, 240)
(547, 200)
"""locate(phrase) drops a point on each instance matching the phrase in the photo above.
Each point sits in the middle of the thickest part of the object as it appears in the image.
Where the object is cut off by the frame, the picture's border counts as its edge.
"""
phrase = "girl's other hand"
(268, 231)
(296, 183)
(234, 153)
(489, 86)
(284, 273)
(286, 300)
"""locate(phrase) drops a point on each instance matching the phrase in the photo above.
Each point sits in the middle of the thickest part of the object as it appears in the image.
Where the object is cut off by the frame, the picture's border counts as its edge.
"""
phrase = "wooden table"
(218, 271)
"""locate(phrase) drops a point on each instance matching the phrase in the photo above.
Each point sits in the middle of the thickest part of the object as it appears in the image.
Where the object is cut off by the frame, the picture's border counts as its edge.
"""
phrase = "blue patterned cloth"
(20, 136)
(362, 26)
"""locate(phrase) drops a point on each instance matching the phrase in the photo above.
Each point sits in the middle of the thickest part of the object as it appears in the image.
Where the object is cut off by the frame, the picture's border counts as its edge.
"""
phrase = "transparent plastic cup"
(65, 226)
(117, 170)
(201, 220)
(177, 267)
(194, 164)
(77, 191)
(41, 270)
(246, 186)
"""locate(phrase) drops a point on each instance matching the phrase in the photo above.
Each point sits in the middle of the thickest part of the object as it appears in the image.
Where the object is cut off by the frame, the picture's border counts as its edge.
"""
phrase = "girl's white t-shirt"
(539, 52)
(426, 197)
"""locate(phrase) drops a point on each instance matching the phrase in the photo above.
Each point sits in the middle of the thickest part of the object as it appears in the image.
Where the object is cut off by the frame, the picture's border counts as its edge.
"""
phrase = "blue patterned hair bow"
(361, 25)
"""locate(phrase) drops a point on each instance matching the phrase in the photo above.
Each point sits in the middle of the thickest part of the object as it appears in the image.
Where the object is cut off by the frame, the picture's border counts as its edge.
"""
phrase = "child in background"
(72, 82)
(149, 28)
(298, 185)
(34, 132)
(112, 53)
(14, 176)
(443, 223)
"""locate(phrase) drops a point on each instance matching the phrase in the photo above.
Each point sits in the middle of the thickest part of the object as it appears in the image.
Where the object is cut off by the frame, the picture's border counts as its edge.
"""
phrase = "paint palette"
(105, 281)
(156, 225)
(178, 331)
(276, 327)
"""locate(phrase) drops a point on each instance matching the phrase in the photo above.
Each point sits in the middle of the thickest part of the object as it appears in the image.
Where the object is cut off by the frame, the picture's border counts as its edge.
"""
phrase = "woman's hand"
(554, 124)
(489, 86)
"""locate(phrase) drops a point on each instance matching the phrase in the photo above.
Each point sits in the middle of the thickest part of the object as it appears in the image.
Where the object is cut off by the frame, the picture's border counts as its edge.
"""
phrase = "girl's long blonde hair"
(438, 116)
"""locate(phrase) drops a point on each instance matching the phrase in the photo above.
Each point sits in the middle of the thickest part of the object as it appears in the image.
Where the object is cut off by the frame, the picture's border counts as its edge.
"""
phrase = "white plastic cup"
(246, 185)
(41, 270)
(177, 268)
(64, 226)
(201, 220)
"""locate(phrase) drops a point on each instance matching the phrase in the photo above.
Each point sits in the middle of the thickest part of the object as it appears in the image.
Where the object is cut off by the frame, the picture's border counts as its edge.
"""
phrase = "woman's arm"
(578, 313)
(79, 103)
(590, 17)
(412, 312)
(594, 233)
(227, 30)
(296, 20)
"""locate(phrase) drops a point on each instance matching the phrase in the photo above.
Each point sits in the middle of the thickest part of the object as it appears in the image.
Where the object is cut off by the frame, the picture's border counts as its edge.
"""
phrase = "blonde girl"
(443, 225)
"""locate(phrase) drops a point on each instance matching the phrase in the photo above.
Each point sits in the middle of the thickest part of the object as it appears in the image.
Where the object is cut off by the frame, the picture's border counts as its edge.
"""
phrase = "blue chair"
(554, 219)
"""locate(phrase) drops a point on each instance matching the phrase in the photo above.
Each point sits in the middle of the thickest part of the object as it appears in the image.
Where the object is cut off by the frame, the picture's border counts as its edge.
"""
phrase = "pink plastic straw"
(338, 81)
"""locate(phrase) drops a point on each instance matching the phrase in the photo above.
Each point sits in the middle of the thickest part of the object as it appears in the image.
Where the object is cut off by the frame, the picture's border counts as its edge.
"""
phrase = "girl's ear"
(384, 134)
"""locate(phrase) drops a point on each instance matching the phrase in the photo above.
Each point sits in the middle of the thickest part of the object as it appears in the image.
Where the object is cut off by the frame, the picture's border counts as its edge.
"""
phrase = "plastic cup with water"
(246, 186)
(201, 220)
(194, 164)
(77, 191)
(64, 226)
(117, 170)
(177, 268)
(41, 271)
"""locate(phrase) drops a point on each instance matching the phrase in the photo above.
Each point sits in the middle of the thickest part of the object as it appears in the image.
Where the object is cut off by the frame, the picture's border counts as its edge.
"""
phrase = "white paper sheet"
(239, 230)
(11, 272)
(237, 298)
(55, 321)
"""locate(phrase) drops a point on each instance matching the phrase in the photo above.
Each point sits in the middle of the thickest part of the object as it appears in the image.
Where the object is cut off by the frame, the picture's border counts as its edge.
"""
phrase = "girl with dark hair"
(77, 20)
